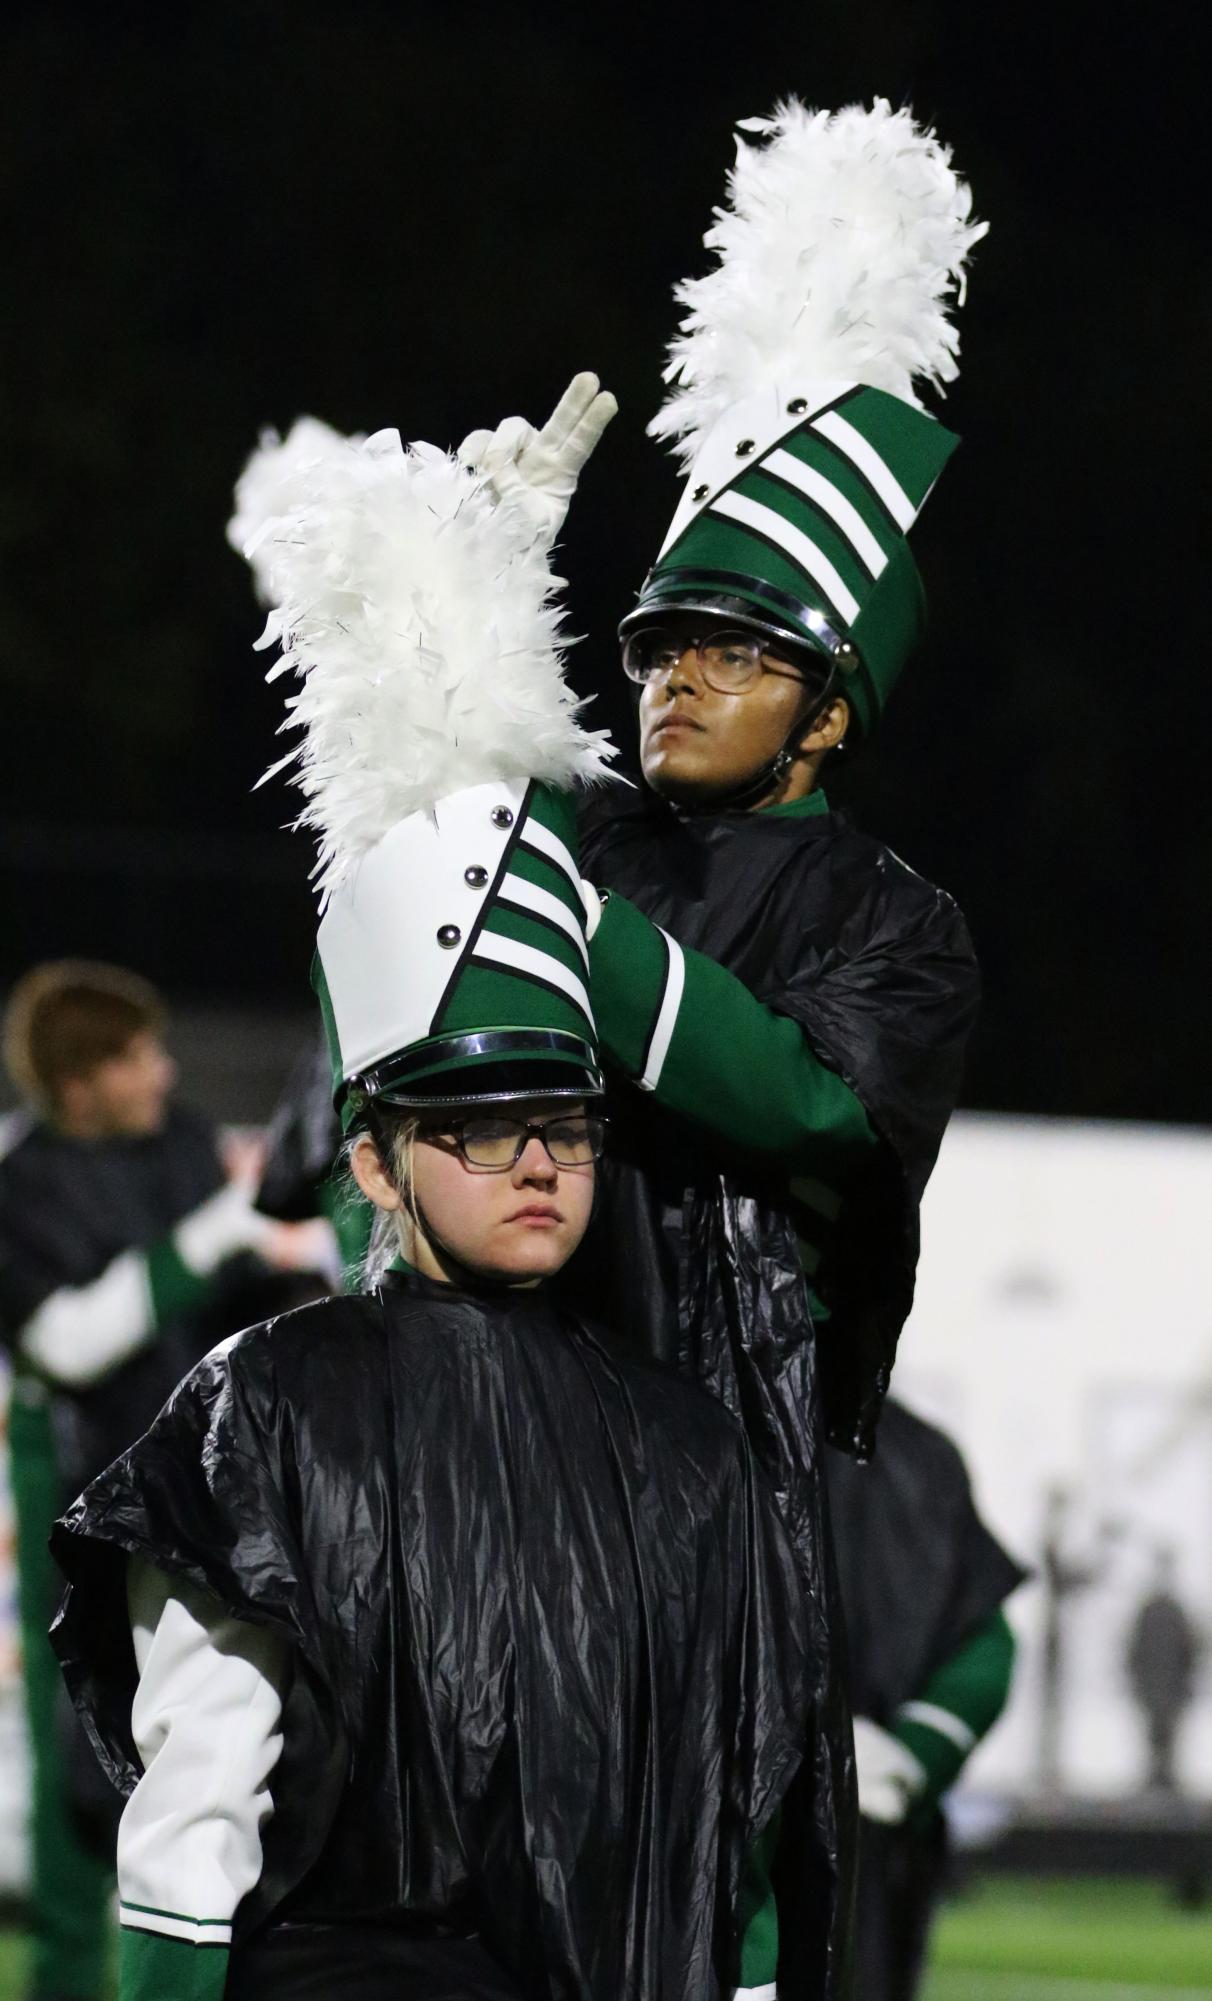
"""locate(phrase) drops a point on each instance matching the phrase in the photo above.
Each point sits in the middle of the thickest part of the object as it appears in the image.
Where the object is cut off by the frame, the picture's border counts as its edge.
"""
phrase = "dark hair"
(67, 1017)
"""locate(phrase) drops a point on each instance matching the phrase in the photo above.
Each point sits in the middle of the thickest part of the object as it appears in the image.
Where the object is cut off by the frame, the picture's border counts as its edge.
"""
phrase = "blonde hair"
(394, 1231)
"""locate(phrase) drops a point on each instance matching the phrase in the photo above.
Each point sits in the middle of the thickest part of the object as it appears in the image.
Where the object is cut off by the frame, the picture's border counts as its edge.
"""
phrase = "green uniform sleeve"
(688, 1030)
(757, 1912)
(154, 1968)
(173, 1286)
(957, 1706)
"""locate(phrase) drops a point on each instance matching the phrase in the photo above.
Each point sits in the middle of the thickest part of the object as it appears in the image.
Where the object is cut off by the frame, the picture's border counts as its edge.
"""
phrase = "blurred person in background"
(128, 1240)
(931, 1657)
(1164, 1650)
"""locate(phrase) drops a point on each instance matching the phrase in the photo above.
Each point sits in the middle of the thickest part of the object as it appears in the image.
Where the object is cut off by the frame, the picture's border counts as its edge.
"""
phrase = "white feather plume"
(421, 619)
(844, 235)
(269, 486)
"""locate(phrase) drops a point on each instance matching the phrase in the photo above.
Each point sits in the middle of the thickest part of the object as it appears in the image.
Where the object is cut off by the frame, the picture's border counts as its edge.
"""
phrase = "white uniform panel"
(206, 1721)
(378, 939)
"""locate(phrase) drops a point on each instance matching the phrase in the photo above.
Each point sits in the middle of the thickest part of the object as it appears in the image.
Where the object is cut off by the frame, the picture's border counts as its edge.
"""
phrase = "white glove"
(221, 1226)
(535, 472)
(890, 1778)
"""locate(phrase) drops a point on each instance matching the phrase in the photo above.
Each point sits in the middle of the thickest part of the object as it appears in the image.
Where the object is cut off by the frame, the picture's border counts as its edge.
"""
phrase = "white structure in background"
(1062, 1332)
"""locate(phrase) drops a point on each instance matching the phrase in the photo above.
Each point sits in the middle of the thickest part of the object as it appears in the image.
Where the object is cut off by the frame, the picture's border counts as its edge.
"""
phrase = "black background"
(219, 217)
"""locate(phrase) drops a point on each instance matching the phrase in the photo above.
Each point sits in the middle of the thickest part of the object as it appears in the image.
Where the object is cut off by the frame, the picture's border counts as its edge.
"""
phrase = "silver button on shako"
(501, 816)
(449, 936)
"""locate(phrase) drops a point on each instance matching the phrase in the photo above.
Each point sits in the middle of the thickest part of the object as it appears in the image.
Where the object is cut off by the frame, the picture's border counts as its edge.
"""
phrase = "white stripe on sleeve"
(940, 1720)
(206, 1720)
(667, 1015)
(82, 1332)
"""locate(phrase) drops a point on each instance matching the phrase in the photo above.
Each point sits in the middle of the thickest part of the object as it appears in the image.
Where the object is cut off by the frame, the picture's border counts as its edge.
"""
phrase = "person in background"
(1164, 1650)
(931, 1656)
(122, 1230)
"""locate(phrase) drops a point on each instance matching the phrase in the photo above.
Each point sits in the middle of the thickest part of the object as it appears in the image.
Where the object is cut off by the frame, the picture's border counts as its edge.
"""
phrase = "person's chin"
(683, 785)
(530, 1252)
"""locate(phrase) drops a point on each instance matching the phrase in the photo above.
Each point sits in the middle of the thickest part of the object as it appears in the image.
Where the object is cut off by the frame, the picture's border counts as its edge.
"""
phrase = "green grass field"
(1020, 1939)
(1026, 1939)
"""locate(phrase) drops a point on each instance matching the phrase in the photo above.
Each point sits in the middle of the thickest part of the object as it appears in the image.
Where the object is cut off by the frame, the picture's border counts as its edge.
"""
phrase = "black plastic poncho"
(828, 927)
(920, 1573)
(919, 1570)
(547, 1631)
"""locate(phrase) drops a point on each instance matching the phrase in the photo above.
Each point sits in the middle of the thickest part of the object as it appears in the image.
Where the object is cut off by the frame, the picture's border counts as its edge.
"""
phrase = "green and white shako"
(793, 400)
(452, 964)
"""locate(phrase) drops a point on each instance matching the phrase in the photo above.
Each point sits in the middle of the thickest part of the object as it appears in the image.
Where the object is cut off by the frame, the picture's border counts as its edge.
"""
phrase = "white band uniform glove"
(890, 1778)
(536, 472)
(221, 1226)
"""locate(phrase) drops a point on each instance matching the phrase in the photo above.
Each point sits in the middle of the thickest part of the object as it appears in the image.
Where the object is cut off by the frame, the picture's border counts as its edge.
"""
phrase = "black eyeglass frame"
(597, 1124)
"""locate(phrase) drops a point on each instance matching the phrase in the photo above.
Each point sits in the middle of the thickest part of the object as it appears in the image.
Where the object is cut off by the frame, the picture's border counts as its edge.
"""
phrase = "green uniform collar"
(798, 809)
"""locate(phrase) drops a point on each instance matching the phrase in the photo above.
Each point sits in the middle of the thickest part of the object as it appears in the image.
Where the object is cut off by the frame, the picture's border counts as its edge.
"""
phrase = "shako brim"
(485, 1066)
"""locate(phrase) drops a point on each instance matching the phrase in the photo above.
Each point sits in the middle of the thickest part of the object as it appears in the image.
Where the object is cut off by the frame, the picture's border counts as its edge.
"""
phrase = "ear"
(826, 728)
(366, 1166)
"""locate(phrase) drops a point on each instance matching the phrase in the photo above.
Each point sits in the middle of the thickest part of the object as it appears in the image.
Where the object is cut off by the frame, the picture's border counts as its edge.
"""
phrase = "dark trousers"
(314, 1962)
(900, 1875)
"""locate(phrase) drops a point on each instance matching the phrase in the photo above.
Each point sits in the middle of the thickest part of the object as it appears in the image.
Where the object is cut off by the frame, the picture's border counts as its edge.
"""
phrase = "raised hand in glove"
(535, 472)
(890, 1778)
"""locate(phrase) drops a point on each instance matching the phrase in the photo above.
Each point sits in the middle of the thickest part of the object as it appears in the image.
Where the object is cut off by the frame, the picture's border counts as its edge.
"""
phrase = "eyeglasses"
(730, 662)
(491, 1146)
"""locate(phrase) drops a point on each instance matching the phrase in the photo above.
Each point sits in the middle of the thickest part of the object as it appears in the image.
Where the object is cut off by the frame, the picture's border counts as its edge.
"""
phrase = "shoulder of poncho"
(897, 896)
(257, 1355)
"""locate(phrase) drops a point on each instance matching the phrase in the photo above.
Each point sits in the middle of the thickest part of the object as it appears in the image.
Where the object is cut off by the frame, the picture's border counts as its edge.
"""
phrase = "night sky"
(220, 217)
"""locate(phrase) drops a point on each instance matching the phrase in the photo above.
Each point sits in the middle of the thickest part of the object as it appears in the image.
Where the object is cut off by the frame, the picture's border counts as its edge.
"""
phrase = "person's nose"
(534, 1164)
(685, 676)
